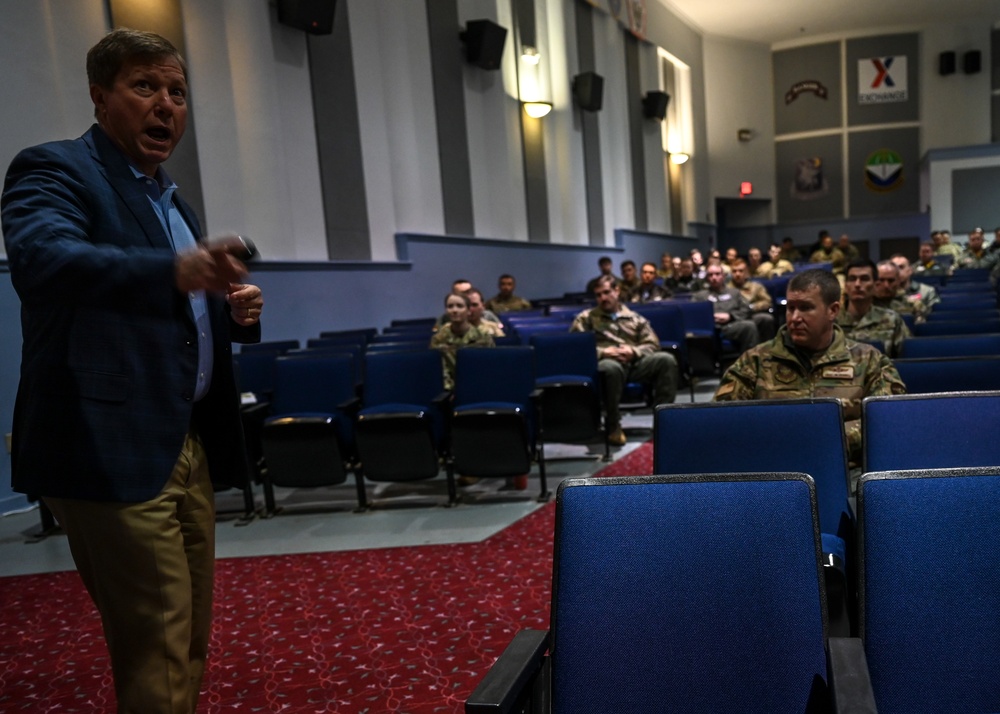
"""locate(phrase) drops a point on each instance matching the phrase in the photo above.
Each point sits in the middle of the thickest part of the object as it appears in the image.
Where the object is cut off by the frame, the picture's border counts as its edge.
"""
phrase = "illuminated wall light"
(537, 109)
(529, 55)
(679, 158)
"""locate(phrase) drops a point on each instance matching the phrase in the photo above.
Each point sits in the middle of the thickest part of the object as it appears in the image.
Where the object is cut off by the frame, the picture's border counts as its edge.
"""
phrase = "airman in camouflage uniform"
(974, 255)
(628, 350)
(457, 333)
(863, 321)
(911, 298)
(811, 357)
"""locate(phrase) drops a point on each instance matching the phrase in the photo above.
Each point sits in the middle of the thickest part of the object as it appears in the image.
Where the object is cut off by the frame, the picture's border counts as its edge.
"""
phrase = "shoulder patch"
(725, 389)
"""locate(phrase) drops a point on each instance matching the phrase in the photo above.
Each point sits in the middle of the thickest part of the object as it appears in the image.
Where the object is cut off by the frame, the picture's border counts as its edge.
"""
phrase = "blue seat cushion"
(834, 545)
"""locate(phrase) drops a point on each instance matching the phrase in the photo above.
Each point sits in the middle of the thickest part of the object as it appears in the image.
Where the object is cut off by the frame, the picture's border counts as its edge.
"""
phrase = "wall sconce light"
(744, 134)
(529, 55)
(679, 158)
(537, 110)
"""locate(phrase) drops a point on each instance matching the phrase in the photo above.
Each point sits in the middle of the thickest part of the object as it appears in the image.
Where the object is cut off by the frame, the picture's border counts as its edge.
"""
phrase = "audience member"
(698, 261)
(811, 357)
(862, 320)
(458, 333)
(829, 253)
(505, 300)
(850, 251)
(461, 286)
(648, 290)
(927, 265)
(975, 255)
(628, 350)
(684, 280)
(476, 313)
(630, 278)
(754, 260)
(944, 246)
(789, 252)
(888, 293)
(732, 312)
(757, 297)
(605, 265)
(776, 265)
(666, 269)
(910, 292)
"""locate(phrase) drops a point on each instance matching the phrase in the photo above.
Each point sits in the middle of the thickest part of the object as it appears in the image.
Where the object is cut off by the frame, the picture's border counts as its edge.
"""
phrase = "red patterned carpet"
(395, 630)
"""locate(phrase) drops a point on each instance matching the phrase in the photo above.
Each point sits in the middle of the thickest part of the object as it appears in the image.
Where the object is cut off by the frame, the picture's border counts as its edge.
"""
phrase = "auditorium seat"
(949, 374)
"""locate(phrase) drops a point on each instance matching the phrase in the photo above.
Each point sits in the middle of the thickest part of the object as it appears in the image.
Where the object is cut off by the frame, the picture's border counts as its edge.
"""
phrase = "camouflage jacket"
(917, 300)
(449, 343)
(878, 323)
(757, 295)
(625, 327)
(514, 303)
(932, 268)
(767, 269)
(834, 257)
(653, 293)
(968, 259)
(952, 249)
(847, 370)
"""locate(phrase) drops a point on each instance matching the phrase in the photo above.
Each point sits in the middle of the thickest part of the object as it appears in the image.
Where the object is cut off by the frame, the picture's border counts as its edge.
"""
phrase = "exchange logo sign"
(882, 80)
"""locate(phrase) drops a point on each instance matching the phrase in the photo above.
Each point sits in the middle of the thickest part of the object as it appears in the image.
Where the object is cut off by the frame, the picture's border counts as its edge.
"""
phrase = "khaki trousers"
(149, 568)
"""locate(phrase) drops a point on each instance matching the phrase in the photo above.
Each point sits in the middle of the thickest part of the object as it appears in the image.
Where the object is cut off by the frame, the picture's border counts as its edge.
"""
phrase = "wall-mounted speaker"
(484, 41)
(972, 62)
(654, 105)
(588, 88)
(946, 63)
(312, 16)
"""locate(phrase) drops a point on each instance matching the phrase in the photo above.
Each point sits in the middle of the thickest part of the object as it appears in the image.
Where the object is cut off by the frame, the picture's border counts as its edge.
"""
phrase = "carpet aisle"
(390, 630)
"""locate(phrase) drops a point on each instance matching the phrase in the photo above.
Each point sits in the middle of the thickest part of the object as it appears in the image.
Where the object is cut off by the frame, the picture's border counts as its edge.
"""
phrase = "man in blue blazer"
(127, 408)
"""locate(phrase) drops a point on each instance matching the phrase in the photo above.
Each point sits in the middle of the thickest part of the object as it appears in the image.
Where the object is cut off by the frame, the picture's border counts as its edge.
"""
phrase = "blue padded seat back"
(501, 374)
(565, 353)
(316, 384)
(930, 589)
(930, 431)
(956, 327)
(800, 435)
(688, 594)
(951, 346)
(255, 371)
(402, 377)
(949, 374)
(698, 317)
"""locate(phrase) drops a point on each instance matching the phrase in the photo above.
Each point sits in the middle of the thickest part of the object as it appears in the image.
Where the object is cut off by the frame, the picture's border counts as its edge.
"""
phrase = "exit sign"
(746, 188)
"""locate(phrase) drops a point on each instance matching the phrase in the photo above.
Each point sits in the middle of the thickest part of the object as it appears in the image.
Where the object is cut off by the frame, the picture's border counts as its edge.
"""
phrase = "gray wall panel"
(876, 186)
(974, 200)
(903, 49)
(807, 88)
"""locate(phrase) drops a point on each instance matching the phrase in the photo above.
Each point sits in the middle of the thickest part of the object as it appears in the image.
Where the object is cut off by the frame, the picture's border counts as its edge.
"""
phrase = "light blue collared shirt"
(161, 192)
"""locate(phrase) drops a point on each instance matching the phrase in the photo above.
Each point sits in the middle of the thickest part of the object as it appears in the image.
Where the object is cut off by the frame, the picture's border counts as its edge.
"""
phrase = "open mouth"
(158, 133)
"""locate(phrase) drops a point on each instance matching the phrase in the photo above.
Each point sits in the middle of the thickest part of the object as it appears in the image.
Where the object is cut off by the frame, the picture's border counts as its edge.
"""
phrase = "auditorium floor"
(318, 520)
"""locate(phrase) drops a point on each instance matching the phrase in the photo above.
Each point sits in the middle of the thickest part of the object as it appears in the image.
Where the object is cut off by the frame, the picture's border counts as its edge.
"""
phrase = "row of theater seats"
(742, 578)
(384, 416)
(958, 347)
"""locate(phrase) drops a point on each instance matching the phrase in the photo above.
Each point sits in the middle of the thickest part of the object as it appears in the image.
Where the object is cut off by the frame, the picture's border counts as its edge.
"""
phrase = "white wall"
(43, 77)
(955, 109)
(251, 100)
(395, 91)
(737, 96)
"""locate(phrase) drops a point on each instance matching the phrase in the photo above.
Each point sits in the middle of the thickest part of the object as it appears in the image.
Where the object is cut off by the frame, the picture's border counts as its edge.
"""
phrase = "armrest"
(511, 676)
(850, 683)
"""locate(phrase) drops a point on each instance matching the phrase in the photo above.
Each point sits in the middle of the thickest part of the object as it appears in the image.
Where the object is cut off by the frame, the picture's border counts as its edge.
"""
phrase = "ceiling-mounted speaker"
(946, 63)
(484, 40)
(972, 62)
(654, 105)
(588, 88)
(312, 16)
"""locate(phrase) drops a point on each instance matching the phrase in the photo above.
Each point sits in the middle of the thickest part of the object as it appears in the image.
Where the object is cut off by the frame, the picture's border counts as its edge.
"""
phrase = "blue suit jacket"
(110, 349)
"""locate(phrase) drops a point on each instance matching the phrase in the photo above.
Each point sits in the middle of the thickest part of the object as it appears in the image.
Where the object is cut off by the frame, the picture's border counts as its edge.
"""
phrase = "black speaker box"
(946, 63)
(588, 88)
(654, 105)
(972, 62)
(312, 16)
(484, 43)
